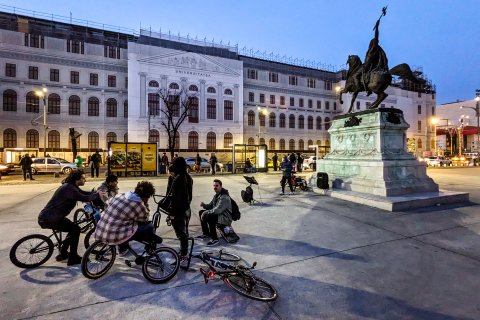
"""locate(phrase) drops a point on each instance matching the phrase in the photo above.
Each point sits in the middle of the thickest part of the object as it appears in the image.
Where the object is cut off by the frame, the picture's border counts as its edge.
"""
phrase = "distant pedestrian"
(95, 162)
(79, 161)
(275, 162)
(26, 164)
(198, 163)
(213, 162)
(287, 168)
(299, 162)
(164, 163)
(293, 160)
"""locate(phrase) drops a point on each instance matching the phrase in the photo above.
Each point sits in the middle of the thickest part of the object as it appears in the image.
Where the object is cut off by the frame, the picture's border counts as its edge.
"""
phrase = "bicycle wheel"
(98, 259)
(161, 266)
(251, 286)
(31, 251)
(83, 220)
(88, 240)
(224, 256)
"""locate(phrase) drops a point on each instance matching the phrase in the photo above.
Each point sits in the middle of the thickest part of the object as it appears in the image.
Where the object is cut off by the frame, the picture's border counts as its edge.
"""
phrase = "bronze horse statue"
(376, 80)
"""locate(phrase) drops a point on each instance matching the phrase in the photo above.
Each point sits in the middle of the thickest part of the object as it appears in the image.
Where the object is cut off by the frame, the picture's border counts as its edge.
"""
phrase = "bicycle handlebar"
(157, 195)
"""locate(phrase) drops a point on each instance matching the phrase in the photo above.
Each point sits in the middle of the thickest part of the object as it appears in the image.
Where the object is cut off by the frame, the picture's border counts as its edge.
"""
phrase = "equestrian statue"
(373, 75)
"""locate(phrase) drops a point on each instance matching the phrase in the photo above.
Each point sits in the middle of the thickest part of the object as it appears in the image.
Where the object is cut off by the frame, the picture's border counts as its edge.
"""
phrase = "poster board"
(132, 158)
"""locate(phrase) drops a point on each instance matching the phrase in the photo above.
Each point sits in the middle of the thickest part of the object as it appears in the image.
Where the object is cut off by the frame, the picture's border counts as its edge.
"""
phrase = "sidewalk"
(328, 259)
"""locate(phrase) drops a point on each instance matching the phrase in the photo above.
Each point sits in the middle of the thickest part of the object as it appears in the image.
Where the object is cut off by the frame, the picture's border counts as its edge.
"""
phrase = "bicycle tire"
(164, 260)
(98, 259)
(87, 241)
(31, 251)
(251, 287)
(224, 256)
(81, 218)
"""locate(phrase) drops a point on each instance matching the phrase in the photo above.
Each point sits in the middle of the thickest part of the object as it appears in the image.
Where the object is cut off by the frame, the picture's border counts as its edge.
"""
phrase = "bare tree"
(177, 105)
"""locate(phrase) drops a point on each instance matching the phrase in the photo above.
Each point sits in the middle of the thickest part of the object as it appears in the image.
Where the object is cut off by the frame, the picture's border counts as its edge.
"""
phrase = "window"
(174, 86)
(193, 110)
(271, 144)
(9, 138)
(367, 105)
(358, 105)
(310, 142)
(310, 103)
(328, 86)
(252, 74)
(327, 105)
(319, 104)
(34, 41)
(153, 84)
(301, 144)
(261, 119)
(335, 105)
(291, 144)
(419, 109)
(419, 126)
(310, 123)
(282, 100)
(327, 123)
(282, 144)
(291, 121)
(74, 105)
(93, 107)
(32, 102)
(33, 73)
(211, 109)
(53, 139)
(193, 140)
(153, 136)
(54, 103)
(94, 79)
(272, 120)
(112, 81)
(292, 80)
(282, 120)
(228, 110)
(10, 70)
(419, 94)
(111, 52)
(126, 82)
(228, 92)
(193, 88)
(262, 98)
(32, 138)
(251, 97)
(111, 137)
(74, 46)
(55, 75)
(211, 141)
(262, 141)
(300, 102)
(301, 122)
(111, 107)
(74, 77)
(311, 83)
(251, 141)
(125, 137)
(292, 101)
(174, 105)
(227, 140)
(273, 77)
(153, 104)
(125, 109)
(433, 112)
(9, 100)
(93, 139)
(419, 144)
(272, 99)
(251, 118)
(211, 90)
(319, 123)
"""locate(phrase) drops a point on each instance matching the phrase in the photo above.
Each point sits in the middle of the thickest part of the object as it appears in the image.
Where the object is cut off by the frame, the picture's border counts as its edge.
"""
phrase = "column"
(202, 102)
(237, 108)
(143, 94)
(220, 101)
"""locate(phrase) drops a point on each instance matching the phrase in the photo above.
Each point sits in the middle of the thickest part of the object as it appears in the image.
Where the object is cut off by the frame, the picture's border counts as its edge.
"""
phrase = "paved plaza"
(328, 259)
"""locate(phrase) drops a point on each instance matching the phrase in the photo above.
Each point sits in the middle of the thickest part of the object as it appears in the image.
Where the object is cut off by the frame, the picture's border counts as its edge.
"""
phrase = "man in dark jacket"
(53, 216)
(287, 168)
(26, 164)
(96, 160)
(213, 162)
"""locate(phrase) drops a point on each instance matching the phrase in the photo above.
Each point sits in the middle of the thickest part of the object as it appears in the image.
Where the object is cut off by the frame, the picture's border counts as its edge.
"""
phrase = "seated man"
(109, 188)
(216, 212)
(126, 218)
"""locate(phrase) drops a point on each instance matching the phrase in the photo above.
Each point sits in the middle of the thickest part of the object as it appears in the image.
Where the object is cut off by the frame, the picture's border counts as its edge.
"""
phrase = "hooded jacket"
(221, 206)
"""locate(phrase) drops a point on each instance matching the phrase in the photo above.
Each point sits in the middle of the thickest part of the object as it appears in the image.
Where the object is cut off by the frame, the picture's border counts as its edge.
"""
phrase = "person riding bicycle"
(126, 218)
(287, 168)
(53, 216)
(109, 187)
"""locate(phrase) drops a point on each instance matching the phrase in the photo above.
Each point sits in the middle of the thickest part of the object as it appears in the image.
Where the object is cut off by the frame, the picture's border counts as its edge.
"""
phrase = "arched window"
(93, 107)
(111, 107)
(251, 141)
(174, 86)
(211, 90)
(282, 144)
(74, 105)
(327, 143)
(228, 110)
(32, 103)
(301, 145)
(272, 120)
(53, 139)
(271, 144)
(228, 92)
(211, 141)
(177, 141)
(111, 137)
(227, 140)
(153, 83)
(193, 140)
(261, 141)
(327, 123)
(301, 122)
(54, 103)
(77, 134)
(291, 121)
(125, 137)
(282, 120)
(319, 123)
(211, 109)
(9, 138)
(310, 142)
(154, 136)
(261, 118)
(32, 138)
(251, 118)
(9, 100)
(419, 144)
(291, 144)
(193, 88)
(310, 123)
(125, 109)
(319, 142)
(93, 139)
(154, 104)
(193, 110)
(173, 105)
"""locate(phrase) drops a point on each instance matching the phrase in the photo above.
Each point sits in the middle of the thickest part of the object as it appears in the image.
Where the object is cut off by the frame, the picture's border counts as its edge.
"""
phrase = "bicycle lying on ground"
(238, 277)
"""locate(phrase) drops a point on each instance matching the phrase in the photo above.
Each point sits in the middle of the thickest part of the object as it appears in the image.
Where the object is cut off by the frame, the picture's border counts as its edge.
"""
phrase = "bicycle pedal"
(128, 263)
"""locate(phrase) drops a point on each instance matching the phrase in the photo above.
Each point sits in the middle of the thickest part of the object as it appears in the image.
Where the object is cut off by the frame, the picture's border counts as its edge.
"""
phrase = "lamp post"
(434, 122)
(477, 114)
(43, 94)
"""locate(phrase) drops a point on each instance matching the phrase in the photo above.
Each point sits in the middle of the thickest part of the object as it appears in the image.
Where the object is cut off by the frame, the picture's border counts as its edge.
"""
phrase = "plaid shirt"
(120, 220)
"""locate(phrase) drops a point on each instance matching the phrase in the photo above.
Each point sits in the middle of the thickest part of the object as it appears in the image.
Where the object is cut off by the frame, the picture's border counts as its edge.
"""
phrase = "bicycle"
(238, 277)
(87, 218)
(298, 181)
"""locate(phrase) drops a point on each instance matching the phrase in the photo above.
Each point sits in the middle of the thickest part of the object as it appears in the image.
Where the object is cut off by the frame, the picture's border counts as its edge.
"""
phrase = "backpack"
(235, 211)
(247, 195)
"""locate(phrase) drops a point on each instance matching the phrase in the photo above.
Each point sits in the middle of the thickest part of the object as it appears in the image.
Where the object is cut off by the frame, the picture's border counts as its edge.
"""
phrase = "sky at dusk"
(440, 36)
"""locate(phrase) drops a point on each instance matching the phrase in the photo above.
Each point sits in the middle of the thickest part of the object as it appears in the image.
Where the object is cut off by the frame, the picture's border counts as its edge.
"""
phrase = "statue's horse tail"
(403, 71)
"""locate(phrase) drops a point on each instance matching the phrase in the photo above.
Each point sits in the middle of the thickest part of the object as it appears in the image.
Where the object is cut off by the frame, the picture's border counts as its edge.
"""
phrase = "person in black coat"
(26, 164)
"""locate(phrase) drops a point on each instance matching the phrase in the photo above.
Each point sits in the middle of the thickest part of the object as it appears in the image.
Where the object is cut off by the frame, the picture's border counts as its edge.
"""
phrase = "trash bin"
(322, 180)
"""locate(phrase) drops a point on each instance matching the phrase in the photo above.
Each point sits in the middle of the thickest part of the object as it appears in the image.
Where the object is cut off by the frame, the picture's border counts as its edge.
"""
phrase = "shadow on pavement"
(49, 275)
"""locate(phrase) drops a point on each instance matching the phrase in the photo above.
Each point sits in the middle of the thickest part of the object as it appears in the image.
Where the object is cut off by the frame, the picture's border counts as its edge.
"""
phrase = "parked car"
(460, 161)
(309, 162)
(437, 161)
(6, 168)
(52, 165)
(204, 165)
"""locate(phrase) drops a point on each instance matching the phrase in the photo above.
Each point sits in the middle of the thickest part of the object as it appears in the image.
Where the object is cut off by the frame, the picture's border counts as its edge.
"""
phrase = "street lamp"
(264, 112)
(43, 94)
(434, 122)
(477, 114)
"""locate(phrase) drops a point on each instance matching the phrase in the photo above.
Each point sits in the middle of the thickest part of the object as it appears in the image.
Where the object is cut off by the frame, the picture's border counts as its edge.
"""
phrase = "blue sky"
(441, 36)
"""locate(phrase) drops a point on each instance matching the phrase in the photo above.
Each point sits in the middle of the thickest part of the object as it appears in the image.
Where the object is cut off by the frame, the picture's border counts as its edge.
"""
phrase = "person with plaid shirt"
(126, 218)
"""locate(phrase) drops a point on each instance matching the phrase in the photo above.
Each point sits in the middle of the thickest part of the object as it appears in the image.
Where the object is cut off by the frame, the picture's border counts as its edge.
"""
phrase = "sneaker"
(291, 193)
(61, 257)
(122, 253)
(281, 194)
(202, 236)
(74, 260)
(212, 243)
(184, 262)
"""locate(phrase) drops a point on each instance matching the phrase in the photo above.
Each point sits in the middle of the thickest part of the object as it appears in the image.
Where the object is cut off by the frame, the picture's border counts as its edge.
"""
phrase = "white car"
(205, 165)
(52, 165)
(437, 161)
(308, 162)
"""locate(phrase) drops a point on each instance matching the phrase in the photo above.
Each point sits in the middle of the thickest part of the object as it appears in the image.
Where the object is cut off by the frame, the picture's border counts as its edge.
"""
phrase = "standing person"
(54, 215)
(79, 161)
(26, 164)
(213, 162)
(198, 163)
(179, 189)
(299, 162)
(275, 162)
(293, 159)
(217, 211)
(287, 168)
(96, 160)
(164, 163)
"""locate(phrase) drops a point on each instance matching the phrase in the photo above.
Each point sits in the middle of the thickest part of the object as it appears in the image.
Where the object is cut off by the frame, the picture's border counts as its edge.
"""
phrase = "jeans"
(29, 171)
(209, 225)
(180, 225)
(94, 170)
(286, 179)
(71, 240)
(145, 232)
(213, 168)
